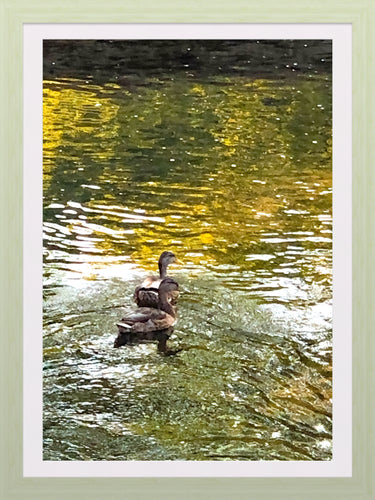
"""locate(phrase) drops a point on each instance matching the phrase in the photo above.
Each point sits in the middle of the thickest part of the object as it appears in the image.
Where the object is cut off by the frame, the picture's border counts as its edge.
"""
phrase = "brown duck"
(149, 319)
(146, 295)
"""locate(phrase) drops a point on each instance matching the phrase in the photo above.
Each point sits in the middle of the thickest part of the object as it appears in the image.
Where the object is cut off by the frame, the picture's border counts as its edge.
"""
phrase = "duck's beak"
(179, 262)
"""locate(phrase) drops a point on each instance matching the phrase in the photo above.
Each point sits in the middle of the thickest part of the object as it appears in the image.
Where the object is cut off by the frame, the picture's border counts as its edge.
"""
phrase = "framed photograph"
(182, 250)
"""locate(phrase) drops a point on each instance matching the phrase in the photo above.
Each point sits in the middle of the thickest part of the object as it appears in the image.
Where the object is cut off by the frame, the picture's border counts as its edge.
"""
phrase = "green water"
(233, 174)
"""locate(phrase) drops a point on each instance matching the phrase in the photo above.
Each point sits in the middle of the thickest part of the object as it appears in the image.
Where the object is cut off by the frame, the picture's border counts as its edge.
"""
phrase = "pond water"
(232, 174)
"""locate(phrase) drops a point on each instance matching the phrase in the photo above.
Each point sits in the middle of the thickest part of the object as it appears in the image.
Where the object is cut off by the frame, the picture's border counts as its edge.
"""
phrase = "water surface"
(233, 174)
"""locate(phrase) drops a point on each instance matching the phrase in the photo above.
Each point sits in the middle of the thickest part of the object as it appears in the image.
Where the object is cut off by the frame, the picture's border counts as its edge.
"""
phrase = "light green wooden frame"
(14, 13)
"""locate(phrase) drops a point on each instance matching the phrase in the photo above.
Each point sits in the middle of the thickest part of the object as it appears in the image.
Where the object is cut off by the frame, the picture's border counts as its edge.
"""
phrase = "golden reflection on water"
(216, 172)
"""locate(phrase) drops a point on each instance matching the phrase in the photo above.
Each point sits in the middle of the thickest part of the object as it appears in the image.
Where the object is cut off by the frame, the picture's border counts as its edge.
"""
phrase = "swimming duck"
(149, 319)
(146, 295)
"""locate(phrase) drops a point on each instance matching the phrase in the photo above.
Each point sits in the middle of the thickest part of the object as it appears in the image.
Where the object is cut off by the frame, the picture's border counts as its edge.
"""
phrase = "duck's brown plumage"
(148, 319)
(146, 295)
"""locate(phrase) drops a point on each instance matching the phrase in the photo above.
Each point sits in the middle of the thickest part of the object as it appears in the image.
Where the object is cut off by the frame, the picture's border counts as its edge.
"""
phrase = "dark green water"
(233, 174)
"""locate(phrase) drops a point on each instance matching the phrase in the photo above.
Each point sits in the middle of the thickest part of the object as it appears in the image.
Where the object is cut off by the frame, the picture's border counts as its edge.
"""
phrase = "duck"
(145, 320)
(146, 295)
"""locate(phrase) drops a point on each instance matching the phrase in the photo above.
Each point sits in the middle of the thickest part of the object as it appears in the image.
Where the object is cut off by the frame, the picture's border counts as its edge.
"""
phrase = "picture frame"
(14, 15)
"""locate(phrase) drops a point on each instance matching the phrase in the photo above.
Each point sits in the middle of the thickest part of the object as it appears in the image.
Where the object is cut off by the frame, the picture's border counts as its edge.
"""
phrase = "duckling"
(146, 295)
(148, 319)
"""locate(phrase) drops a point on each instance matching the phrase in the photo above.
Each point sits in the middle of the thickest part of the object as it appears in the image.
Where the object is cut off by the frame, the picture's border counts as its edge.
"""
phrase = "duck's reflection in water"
(125, 338)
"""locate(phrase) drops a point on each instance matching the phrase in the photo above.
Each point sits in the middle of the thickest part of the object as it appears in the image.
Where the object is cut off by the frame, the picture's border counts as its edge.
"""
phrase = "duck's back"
(149, 297)
(146, 297)
(145, 319)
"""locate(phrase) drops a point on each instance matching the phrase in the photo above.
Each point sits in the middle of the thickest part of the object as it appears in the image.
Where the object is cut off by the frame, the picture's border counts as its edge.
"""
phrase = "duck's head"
(166, 286)
(165, 259)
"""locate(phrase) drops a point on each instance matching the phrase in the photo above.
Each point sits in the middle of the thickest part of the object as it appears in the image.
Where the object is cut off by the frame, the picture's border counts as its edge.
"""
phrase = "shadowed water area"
(231, 170)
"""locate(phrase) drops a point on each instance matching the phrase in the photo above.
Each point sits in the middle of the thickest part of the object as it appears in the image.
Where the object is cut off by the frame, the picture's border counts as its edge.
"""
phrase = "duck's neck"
(163, 269)
(166, 306)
